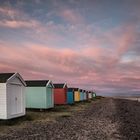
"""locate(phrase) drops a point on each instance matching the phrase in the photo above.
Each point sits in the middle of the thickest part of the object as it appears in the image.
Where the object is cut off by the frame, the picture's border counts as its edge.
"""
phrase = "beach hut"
(94, 95)
(12, 95)
(76, 94)
(81, 95)
(85, 95)
(60, 93)
(70, 96)
(90, 95)
(39, 94)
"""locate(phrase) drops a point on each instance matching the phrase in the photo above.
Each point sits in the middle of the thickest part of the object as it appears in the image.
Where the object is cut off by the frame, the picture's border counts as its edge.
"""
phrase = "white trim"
(11, 77)
(49, 83)
(64, 85)
(18, 75)
(12, 83)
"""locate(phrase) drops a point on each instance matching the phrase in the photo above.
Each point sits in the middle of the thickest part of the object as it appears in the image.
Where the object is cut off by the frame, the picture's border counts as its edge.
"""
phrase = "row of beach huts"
(16, 95)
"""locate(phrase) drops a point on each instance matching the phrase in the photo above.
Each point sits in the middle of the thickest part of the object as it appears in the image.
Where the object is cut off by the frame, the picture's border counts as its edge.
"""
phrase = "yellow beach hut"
(76, 94)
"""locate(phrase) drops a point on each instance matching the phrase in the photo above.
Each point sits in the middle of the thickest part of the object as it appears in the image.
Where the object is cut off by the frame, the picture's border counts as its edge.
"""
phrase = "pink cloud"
(125, 40)
(35, 58)
(18, 24)
(16, 19)
(67, 13)
(97, 63)
(71, 16)
(9, 12)
(36, 61)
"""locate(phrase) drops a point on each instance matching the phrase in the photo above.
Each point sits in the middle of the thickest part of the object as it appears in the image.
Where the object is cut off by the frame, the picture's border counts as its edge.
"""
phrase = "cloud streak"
(71, 50)
(13, 18)
(38, 61)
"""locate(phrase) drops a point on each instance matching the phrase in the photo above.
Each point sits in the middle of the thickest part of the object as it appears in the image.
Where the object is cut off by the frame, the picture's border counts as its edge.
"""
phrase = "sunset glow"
(89, 44)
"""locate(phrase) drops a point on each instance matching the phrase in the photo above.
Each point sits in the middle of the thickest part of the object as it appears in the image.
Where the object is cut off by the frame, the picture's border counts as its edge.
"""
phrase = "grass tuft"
(45, 115)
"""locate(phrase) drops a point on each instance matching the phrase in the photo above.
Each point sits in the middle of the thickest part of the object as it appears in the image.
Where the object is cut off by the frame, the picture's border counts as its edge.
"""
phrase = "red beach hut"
(60, 94)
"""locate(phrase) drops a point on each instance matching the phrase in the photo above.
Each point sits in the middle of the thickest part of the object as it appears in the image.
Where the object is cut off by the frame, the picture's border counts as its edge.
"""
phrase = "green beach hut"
(94, 95)
(39, 94)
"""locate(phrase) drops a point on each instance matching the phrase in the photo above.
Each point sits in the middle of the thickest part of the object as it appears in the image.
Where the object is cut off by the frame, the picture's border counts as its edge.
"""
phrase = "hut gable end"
(62, 85)
(11, 77)
(50, 84)
(16, 79)
(36, 83)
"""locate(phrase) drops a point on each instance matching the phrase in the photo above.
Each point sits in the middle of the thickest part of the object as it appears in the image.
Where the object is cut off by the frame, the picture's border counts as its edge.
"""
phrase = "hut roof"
(70, 89)
(38, 83)
(76, 89)
(62, 85)
(5, 76)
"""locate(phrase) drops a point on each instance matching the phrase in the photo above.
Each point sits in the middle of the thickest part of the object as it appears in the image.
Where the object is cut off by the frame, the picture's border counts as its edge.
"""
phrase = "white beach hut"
(12, 95)
(90, 95)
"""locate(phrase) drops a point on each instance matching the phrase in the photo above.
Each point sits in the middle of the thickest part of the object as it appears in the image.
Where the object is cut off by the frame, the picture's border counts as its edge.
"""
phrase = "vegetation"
(35, 115)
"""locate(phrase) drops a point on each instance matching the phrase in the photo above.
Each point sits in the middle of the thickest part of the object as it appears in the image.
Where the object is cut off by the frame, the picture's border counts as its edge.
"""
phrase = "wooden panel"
(36, 97)
(90, 95)
(60, 96)
(3, 111)
(15, 103)
(81, 96)
(70, 97)
(50, 98)
(76, 96)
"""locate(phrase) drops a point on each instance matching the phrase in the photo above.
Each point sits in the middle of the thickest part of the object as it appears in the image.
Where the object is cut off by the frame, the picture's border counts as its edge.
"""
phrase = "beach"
(104, 119)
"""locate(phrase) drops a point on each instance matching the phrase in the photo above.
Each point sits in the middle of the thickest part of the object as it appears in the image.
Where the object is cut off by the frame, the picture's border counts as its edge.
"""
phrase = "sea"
(129, 96)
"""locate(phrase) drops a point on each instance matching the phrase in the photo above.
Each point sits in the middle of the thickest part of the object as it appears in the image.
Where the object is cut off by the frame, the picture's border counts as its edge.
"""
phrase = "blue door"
(70, 97)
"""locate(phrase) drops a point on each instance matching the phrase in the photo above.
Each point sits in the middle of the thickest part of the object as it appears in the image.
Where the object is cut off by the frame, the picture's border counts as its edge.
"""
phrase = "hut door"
(16, 96)
(49, 97)
(19, 99)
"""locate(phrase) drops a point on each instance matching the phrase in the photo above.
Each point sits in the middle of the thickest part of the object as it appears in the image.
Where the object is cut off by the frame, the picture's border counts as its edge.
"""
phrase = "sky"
(90, 44)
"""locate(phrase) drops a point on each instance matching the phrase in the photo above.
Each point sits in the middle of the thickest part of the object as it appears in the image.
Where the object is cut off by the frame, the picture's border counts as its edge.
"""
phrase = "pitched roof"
(70, 89)
(5, 76)
(36, 83)
(59, 85)
(81, 90)
(76, 89)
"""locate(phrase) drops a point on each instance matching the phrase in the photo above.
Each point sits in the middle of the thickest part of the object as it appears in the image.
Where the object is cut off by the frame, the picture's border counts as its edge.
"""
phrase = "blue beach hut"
(85, 95)
(81, 95)
(70, 96)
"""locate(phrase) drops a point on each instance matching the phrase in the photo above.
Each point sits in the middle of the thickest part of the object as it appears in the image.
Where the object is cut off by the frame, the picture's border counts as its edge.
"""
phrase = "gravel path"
(108, 119)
